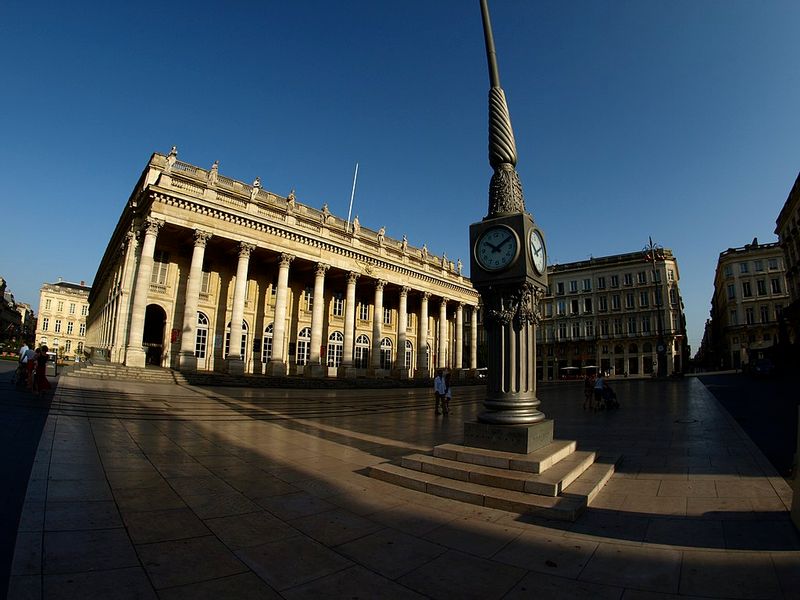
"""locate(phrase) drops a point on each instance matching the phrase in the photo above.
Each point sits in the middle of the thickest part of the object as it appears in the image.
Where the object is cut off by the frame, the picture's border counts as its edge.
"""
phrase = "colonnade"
(134, 354)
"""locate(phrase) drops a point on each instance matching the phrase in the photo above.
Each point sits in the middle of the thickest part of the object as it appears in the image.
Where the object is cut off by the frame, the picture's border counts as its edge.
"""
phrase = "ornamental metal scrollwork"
(521, 305)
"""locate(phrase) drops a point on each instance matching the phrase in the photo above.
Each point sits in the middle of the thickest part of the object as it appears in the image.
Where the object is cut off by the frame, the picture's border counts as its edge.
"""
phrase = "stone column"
(402, 323)
(234, 362)
(377, 330)
(346, 369)
(135, 355)
(473, 339)
(277, 365)
(187, 361)
(127, 282)
(422, 338)
(442, 362)
(458, 365)
(315, 368)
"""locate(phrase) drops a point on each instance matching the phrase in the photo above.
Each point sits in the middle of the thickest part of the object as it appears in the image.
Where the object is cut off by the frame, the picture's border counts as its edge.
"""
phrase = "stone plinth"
(235, 366)
(315, 371)
(276, 368)
(522, 439)
(347, 372)
(187, 362)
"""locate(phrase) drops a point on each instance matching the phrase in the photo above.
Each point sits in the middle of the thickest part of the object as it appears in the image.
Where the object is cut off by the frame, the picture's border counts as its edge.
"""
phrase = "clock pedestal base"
(522, 439)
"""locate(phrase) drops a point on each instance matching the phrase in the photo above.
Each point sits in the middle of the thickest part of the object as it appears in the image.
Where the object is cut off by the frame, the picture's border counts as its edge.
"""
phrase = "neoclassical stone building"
(198, 259)
(63, 308)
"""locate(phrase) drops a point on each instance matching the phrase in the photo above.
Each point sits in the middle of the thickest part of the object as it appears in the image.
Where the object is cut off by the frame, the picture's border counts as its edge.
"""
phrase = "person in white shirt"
(21, 375)
(438, 390)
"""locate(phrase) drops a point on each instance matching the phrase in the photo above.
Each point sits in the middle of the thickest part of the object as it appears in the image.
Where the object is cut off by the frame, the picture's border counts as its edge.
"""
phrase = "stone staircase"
(116, 372)
(555, 482)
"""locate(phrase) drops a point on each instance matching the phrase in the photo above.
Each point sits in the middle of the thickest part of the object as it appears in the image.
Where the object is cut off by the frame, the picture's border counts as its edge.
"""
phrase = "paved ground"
(150, 491)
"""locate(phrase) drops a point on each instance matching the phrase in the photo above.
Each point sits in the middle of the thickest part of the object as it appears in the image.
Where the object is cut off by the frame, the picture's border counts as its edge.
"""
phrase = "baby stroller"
(609, 398)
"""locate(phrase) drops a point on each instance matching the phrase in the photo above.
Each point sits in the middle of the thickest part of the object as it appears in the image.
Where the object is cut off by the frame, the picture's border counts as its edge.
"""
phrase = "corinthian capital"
(245, 249)
(321, 269)
(201, 238)
(352, 277)
(286, 259)
(152, 225)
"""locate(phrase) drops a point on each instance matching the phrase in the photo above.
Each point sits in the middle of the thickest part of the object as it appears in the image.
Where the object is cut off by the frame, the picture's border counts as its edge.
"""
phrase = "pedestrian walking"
(21, 373)
(42, 385)
(599, 386)
(588, 391)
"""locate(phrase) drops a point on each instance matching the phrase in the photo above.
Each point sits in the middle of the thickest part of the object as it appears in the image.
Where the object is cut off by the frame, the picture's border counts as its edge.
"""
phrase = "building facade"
(750, 294)
(198, 259)
(61, 326)
(10, 317)
(610, 313)
(788, 231)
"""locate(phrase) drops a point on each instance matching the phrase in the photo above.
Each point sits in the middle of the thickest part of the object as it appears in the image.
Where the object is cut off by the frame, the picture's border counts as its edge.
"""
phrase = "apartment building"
(61, 326)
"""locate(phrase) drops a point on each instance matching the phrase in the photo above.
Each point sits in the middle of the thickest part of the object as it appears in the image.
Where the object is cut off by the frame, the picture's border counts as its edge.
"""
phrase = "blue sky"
(672, 119)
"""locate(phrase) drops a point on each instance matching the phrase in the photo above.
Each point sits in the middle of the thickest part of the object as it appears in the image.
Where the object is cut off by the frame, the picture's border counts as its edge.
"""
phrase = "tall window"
(761, 287)
(747, 292)
(728, 271)
(573, 286)
(631, 324)
(733, 317)
(776, 286)
(604, 327)
(641, 277)
(386, 353)
(84, 310)
(70, 327)
(387, 315)
(160, 267)
(561, 307)
(335, 345)
(338, 305)
(587, 285)
(603, 300)
(60, 306)
(748, 316)
(45, 323)
(79, 348)
(303, 346)
(47, 304)
(243, 348)
(72, 308)
(587, 305)
(628, 278)
(589, 326)
(576, 330)
(560, 288)
(759, 265)
(629, 300)
(673, 296)
(765, 314)
(562, 330)
(266, 349)
(772, 264)
(205, 283)
(615, 302)
(617, 326)
(82, 330)
(645, 324)
(670, 275)
(58, 326)
(731, 291)
(308, 300)
(67, 345)
(743, 267)
(361, 359)
(409, 357)
(363, 311)
(573, 307)
(601, 283)
(644, 299)
(201, 338)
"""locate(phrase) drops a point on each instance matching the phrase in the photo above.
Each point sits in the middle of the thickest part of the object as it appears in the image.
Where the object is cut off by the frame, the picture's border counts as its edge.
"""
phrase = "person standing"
(588, 391)
(42, 385)
(21, 374)
(599, 386)
(438, 390)
(446, 395)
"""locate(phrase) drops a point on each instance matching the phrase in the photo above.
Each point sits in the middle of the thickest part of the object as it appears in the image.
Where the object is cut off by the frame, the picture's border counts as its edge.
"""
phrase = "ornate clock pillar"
(508, 267)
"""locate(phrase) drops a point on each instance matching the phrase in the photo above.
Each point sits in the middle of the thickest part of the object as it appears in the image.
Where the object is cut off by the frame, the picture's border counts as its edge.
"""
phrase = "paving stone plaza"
(142, 490)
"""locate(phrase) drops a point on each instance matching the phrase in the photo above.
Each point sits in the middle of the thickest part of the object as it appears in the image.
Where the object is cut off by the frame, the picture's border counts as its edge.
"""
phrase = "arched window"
(228, 340)
(647, 348)
(633, 349)
(386, 353)
(618, 349)
(266, 349)
(362, 352)
(303, 345)
(201, 339)
(409, 359)
(335, 346)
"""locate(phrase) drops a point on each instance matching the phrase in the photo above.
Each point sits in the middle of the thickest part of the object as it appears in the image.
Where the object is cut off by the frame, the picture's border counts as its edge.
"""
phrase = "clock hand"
(501, 244)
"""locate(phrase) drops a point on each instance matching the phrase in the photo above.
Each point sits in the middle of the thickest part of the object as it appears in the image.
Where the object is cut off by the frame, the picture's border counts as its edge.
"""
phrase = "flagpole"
(352, 194)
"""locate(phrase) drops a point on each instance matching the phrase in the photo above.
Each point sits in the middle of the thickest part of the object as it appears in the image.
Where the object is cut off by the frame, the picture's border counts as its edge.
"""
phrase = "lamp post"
(652, 253)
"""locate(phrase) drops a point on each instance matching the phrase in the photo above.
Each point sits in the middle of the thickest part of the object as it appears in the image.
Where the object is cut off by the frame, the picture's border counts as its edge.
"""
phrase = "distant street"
(765, 408)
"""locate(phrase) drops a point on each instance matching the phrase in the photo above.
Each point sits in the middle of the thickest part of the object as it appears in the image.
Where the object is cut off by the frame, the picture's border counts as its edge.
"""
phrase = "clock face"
(496, 248)
(538, 253)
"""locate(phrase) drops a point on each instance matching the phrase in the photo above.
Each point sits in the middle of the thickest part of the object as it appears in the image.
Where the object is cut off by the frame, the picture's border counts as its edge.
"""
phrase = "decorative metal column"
(508, 267)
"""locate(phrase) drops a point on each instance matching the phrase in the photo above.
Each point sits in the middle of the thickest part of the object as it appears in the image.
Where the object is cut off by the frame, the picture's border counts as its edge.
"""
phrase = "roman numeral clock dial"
(497, 248)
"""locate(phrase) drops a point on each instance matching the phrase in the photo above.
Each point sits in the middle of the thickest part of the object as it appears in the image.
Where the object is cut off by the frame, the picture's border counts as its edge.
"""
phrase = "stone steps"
(549, 483)
(121, 372)
(556, 481)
